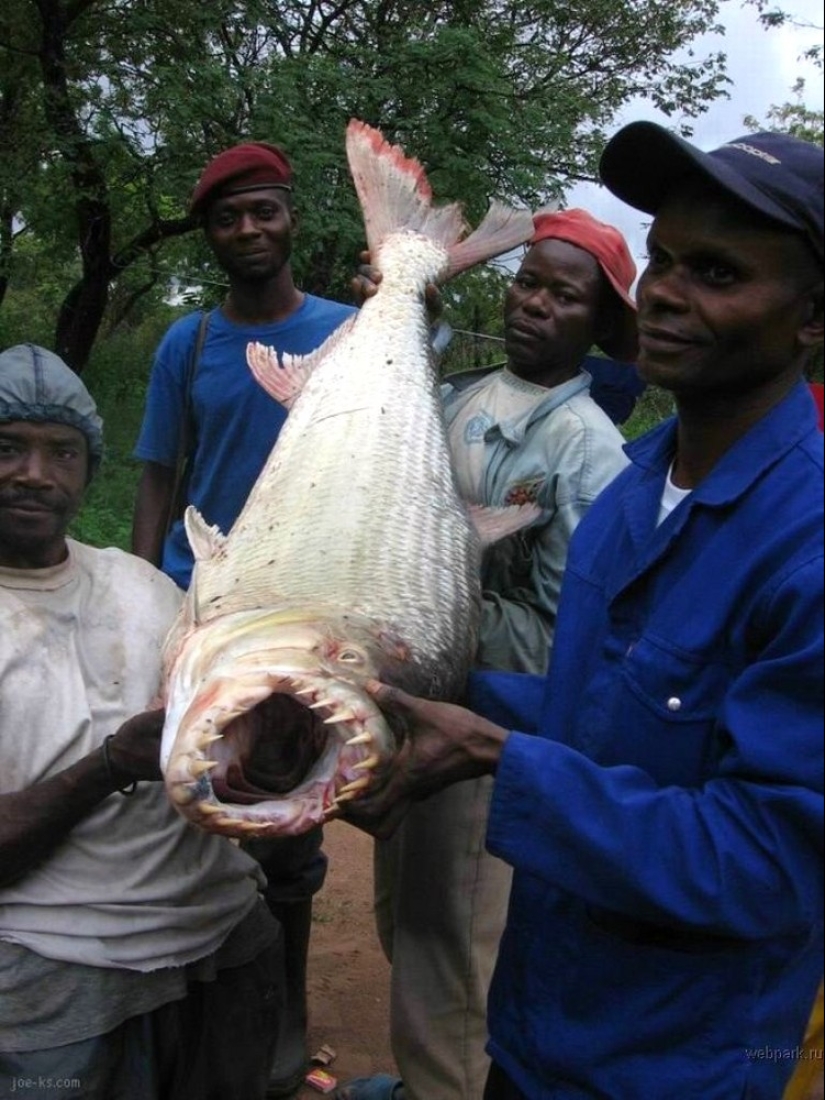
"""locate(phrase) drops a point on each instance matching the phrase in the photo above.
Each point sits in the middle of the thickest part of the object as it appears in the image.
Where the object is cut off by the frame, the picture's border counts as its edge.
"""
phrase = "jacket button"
(674, 703)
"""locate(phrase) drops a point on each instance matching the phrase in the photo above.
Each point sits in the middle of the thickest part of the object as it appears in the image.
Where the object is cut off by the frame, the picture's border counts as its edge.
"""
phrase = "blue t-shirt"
(236, 421)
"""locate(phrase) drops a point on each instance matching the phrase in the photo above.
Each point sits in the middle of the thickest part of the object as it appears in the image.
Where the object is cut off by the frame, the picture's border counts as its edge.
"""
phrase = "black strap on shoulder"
(186, 440)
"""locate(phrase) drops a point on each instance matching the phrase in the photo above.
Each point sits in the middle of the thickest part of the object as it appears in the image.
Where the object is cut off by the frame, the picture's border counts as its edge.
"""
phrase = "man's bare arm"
(35, 821)
(152, 507)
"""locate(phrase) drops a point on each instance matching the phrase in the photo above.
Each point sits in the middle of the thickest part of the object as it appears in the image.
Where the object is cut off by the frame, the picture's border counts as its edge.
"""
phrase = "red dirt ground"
(348, 974)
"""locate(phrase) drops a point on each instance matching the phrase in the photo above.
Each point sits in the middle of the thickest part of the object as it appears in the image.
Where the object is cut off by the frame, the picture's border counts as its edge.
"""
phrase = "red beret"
(244, 167)
(609, 248)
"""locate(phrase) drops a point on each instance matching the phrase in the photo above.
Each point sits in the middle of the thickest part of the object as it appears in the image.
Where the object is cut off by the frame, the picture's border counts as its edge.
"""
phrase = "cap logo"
(752, 151)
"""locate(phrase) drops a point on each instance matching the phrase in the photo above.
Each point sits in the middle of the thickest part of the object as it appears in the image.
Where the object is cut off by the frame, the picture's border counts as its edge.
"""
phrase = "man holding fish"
(662, 810)
(137, 958)
(244, 201)
(528, 432)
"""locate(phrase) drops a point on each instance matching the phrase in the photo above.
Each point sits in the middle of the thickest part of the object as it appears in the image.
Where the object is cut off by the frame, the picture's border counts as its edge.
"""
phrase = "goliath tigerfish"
(354, 557)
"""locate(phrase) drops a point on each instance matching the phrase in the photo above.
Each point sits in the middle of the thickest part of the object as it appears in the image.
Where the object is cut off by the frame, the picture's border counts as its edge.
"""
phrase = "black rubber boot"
(291, 1061)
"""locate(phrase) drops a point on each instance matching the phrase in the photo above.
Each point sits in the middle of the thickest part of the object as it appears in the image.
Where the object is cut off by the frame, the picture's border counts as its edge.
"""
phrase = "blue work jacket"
(666, 824)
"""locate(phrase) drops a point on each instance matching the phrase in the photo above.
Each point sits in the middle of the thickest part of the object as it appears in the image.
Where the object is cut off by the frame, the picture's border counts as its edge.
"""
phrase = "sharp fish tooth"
(201, 767)
(343, 798)
(322, 703)
(345, 715)
(360, 739)
(210, 809)
(183, 793)
(208, 739)
(356, 786)
(367, 765)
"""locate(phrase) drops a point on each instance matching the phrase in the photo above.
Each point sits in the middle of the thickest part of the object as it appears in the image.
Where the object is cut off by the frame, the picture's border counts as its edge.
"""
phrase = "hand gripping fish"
(354, 557)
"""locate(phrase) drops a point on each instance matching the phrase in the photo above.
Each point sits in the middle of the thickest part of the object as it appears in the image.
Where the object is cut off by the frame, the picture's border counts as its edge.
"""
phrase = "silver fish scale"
(357, 507)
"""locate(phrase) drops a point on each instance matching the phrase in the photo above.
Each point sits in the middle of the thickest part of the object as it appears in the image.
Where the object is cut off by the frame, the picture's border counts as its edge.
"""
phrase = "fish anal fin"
(206, 540)
(492, 524)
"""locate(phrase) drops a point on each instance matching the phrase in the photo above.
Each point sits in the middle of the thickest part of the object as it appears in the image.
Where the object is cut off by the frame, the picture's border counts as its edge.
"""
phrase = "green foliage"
(654, 406)
(793, 118)
(117, 378)
(109, 111)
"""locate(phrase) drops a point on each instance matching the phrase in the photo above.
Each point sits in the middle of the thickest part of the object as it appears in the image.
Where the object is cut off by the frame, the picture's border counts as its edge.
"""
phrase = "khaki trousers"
(441, 905)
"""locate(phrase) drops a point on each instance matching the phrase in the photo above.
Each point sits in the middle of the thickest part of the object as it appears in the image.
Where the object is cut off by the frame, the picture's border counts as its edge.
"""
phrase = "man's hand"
(366, 283)
(445, 744)
(134, 751)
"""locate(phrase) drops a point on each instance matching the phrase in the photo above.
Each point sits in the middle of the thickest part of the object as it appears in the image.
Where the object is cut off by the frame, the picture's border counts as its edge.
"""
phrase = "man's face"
(43, 474)
(251, 233)
(551, 312)
(726, 303)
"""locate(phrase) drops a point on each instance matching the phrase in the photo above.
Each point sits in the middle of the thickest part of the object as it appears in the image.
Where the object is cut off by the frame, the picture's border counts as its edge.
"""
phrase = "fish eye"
(350, 657)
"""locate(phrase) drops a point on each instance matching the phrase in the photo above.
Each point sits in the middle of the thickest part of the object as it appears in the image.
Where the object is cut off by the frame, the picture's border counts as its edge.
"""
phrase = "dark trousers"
(214, 1044)
(500, 1087)
(295, 868)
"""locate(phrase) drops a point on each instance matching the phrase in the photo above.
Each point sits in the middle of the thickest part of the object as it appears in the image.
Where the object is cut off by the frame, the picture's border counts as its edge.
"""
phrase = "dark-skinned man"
(663, 809)
(527, 432)
(201, 390)
(137, 957)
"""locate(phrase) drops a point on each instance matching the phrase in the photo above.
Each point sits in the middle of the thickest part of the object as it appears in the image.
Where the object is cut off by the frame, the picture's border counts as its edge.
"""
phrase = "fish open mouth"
(274, 754)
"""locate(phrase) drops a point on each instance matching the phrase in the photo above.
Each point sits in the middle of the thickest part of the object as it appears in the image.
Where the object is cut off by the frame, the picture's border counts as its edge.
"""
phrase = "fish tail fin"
(502, 230)
(394, 191)
(395, 194)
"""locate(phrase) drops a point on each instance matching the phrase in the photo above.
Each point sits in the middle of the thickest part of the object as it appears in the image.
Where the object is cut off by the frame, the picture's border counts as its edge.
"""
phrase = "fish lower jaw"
(211, 753)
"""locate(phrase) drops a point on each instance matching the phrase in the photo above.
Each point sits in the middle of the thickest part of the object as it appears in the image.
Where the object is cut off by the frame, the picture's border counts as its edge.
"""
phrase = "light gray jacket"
(560, 455)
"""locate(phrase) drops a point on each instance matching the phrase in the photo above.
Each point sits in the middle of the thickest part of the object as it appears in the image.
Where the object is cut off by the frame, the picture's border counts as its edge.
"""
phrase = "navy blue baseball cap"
(775, 174)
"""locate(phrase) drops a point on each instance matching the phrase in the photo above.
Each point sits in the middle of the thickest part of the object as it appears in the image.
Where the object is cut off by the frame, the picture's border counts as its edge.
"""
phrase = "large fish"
(354, 557)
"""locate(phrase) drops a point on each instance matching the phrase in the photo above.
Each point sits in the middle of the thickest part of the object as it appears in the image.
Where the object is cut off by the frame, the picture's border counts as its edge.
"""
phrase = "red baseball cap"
(246, 167)
(609, 249)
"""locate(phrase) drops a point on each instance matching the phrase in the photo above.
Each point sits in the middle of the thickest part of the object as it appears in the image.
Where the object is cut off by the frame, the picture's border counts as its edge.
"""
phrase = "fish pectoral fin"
(492, 524)
(285, 378)
(205, 540)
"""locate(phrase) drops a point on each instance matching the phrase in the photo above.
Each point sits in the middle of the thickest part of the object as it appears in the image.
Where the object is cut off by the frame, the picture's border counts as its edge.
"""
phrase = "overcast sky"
(763, 65)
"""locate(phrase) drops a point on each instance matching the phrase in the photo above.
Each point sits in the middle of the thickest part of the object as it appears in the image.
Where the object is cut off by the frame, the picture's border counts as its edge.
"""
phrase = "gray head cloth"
(35, 384)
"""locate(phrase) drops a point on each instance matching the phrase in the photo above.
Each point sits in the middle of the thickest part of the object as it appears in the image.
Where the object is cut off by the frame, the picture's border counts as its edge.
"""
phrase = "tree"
(772, 17)
(109, 108)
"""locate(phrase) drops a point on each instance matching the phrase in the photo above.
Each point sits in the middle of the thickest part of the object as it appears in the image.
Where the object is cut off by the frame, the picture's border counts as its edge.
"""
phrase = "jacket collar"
(767, 442)
(514, 429)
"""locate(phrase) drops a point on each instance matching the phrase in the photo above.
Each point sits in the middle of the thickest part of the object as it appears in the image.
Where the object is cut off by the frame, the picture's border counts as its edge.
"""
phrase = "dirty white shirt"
(132, 886)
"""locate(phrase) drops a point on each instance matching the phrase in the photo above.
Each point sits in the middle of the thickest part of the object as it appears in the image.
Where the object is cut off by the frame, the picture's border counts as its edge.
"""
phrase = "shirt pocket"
(664, 707)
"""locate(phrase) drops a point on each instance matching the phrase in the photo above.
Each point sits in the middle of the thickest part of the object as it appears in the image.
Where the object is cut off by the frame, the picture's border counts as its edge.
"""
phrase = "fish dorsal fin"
(285, 378)
(492, 524)
(206, 541)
